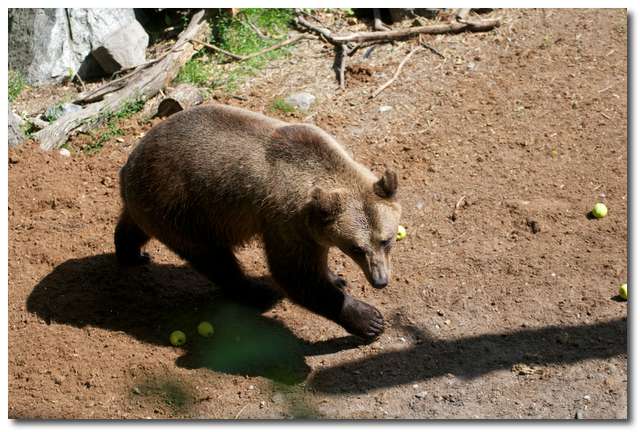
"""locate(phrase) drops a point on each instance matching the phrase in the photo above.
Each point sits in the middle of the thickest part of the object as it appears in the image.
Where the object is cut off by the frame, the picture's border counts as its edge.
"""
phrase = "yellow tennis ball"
(177, 338)
(623, 291)
(205, 329)
(402, 232)
(599, 210)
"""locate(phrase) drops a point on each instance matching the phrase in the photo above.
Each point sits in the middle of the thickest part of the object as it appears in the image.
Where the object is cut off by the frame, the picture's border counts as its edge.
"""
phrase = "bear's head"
(362, 223)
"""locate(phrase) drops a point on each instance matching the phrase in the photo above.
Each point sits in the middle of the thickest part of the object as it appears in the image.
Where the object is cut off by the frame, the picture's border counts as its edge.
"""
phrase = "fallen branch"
(143, 83)
(237, 57)
(386, 36)
(395, 75)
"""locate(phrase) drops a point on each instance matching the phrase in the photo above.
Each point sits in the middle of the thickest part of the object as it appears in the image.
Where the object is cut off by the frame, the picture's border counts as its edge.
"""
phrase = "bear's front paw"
(337, 281)
(134, 259)
(361, 319)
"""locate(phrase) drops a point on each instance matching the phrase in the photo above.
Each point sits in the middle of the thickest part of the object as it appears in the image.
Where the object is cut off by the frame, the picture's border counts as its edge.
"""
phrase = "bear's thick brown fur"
(209, 179)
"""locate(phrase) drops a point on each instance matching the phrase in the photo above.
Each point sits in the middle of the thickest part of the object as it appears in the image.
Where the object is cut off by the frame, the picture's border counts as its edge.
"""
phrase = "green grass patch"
(238, 35)
(17, 83)
(282, 106)
(196, 71)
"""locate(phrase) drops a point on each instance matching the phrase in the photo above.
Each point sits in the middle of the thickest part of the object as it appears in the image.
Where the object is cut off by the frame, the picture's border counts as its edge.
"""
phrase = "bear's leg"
(129, 239)
(220, 265)
(303, 274)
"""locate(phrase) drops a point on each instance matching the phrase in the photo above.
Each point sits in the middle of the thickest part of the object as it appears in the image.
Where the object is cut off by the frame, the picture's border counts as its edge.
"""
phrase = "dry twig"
(454, 214)
(237, 57)
(395, 75)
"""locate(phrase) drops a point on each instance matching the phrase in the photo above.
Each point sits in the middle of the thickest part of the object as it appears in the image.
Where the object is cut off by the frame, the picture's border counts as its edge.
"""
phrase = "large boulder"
(122, 49)
(49, 45)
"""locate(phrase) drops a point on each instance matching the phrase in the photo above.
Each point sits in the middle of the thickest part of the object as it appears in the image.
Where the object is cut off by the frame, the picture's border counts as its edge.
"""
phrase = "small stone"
(278, 398)
(586, 397)
(579, 415)
(262, 404)
(439, 312)
(301, 101)
(421, 395)
(58, 379)
(64, 152)
(385, 108)
(447, 321)
(251, 387)
(136, 390)
(533, 225)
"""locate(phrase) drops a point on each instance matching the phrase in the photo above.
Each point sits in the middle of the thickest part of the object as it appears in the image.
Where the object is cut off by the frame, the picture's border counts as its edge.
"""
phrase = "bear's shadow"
(149, 302)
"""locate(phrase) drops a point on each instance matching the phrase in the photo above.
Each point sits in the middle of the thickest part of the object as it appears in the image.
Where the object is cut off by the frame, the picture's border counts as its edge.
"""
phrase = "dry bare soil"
(507, 312)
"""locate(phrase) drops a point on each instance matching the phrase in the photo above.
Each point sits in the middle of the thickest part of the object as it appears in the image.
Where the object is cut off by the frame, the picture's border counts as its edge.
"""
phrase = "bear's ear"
(387, 186)
(326, 206)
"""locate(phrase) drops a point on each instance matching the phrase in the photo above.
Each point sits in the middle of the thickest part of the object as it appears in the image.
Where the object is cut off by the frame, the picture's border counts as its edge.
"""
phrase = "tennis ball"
(599, 210)
(623, 291)
(402, 232)
(177, 338)
(205, 329)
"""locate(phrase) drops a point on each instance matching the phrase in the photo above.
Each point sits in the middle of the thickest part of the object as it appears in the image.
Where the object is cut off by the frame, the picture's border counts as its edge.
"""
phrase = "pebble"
(58, 379)
(64, 152)
(385, 108)
(136, 390)
(262, 404)
(579, 415)
(301, 101)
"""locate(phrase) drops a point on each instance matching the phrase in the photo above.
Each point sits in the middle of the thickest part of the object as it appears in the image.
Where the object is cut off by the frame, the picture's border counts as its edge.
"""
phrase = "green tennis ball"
(599, 210)
(623, 291)
(205, 329)
(177, 338)
(402, 232)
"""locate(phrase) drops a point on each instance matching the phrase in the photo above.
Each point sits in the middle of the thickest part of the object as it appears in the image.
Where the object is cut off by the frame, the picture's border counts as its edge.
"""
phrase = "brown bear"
(209, 179)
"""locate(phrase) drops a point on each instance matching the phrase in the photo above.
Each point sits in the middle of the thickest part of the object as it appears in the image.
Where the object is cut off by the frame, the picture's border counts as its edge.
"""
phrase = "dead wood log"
(142, 83)
(179, 98)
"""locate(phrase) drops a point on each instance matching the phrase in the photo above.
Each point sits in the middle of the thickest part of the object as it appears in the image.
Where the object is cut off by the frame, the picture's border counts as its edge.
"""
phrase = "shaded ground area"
(508, 311)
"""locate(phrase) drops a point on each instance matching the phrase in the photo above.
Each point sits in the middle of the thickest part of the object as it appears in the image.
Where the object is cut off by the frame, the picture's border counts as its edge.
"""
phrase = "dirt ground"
(508, 311)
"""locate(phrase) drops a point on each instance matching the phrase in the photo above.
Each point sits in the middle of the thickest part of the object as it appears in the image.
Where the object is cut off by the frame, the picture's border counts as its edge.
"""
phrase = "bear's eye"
(386, 243)
(357, 250)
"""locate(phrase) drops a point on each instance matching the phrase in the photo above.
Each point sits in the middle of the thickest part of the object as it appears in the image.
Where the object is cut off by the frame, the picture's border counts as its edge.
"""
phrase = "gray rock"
(15, 132)
(301, 101)
(50, 45)
(122, 49)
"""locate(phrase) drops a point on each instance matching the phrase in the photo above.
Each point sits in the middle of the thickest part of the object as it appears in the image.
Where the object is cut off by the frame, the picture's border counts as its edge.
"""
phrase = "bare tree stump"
(178, 99)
